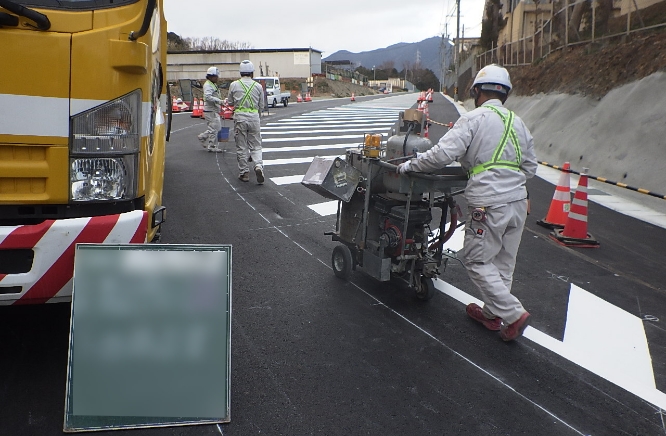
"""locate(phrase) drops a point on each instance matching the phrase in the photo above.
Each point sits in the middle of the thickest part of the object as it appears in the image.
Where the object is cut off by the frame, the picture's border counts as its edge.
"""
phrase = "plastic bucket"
(223, 134)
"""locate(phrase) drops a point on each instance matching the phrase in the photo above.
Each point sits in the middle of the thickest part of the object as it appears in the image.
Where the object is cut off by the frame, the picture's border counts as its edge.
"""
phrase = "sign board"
(301, 58)
(150, 336)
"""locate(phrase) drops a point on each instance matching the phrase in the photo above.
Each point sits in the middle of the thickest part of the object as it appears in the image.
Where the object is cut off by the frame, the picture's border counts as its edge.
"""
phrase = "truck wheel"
(426, 289)
(274, 103)
(285, 102)
(342, 262)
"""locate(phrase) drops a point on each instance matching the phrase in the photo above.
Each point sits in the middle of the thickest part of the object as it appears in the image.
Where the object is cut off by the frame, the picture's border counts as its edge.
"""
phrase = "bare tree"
(209, 43)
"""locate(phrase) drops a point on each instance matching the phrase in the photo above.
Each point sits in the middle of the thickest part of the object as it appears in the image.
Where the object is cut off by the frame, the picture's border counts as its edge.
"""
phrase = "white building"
(287, 63)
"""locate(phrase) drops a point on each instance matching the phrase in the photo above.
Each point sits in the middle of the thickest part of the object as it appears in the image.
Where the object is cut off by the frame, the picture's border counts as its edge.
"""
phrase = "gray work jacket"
(472, 141)
(212, 100)
(246, 108)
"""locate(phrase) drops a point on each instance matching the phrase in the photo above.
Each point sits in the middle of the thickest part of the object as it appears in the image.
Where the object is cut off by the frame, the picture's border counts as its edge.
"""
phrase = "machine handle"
(424, 176)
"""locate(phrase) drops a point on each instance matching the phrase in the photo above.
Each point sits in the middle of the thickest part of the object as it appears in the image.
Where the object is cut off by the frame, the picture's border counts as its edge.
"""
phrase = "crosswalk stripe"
(289, 122)
(291, 132)
(295, 127)
(309, 147)
(326, 208)
(313, 138)
(287, 180)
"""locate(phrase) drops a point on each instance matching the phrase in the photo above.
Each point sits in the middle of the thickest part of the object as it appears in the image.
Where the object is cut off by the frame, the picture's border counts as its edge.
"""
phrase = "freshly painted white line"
(619, 355)
(295, 160)
(295, 127)
(309, 147)
(326, 208)
(313, 138)
(287, 180)
(290, 122)
(292, 132)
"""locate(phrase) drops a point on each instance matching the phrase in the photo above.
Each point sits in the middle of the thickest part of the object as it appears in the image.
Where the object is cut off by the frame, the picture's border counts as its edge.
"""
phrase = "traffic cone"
(307, 97)
(353, 98)
(174, 105)
(557, 214)
(195, 109)
(299, 99)
(575, 233)
(421, 96)
(429, 96)
(201, 108)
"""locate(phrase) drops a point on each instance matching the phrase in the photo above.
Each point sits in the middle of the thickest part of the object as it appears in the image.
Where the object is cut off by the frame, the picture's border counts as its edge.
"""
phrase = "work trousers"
(489, 255)
(248, 144)
(214, 125)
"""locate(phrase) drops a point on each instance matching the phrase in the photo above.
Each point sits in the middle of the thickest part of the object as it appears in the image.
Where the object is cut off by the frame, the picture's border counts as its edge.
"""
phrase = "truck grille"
(28, 172)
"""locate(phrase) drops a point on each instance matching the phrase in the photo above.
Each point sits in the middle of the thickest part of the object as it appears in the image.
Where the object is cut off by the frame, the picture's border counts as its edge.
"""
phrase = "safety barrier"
(610, 182)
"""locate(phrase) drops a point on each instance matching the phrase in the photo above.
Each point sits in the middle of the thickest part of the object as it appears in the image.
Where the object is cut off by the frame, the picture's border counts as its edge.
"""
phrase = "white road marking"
(313, 138)
(326, 208)
(360, 130)
(619, 355)
(309, 147)
(287, 180)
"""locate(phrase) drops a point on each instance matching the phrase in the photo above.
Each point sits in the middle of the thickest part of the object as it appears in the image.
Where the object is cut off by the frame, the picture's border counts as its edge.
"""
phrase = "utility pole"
(455, 91)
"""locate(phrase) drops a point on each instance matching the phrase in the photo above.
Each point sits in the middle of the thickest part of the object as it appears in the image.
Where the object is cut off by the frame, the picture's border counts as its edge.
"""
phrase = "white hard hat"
(493, 75)
(213, 71)
(246, 67)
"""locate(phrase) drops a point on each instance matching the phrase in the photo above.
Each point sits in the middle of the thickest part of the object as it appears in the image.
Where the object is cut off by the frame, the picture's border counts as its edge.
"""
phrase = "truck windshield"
(75, 4)
(269, 83)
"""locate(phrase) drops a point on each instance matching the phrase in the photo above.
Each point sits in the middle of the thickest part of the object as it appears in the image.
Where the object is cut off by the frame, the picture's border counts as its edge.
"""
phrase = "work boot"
(476, 313)
(214, 150)
(245, 177)
(514, 330)
(203, 139)
(260, 175)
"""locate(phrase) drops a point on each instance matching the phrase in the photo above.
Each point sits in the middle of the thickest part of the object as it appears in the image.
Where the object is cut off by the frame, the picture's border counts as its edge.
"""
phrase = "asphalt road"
(312, 354)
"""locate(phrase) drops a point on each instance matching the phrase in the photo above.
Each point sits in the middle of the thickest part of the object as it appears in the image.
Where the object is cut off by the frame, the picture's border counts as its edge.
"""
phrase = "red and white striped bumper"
(53, 242)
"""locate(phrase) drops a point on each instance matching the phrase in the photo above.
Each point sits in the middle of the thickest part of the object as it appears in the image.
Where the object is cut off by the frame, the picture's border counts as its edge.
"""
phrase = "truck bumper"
(49, 278)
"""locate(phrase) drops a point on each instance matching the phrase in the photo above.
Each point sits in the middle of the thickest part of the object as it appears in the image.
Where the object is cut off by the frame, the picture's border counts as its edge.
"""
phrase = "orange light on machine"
(372, 145)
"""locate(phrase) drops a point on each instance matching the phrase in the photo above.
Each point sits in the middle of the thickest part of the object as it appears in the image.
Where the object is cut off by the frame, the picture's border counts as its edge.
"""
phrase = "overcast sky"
(327, 26)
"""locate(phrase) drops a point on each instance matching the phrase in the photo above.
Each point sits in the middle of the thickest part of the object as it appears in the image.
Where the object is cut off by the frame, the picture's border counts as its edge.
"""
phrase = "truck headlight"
(104, 147)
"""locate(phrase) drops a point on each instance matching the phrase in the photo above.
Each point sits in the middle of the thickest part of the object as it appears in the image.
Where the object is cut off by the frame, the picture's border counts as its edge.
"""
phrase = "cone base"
(549, 225)
(589, 242)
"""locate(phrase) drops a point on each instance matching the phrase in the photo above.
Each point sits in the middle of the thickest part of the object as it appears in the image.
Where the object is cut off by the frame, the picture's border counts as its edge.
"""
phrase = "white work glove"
(404, 168)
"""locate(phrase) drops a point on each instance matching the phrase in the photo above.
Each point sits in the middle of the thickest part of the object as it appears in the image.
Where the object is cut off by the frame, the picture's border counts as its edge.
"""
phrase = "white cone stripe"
(291, 132)
(288, 180)
(577, 216)
(313, 138)
(579, 202)
(309, 147)
(562, 196)
(325, 209)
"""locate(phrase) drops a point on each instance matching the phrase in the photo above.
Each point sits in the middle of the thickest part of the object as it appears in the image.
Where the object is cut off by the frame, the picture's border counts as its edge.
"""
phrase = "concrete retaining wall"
(623, 133)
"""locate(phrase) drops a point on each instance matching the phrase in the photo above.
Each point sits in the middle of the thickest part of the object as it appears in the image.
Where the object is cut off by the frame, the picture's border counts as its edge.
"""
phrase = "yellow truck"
(84, 116)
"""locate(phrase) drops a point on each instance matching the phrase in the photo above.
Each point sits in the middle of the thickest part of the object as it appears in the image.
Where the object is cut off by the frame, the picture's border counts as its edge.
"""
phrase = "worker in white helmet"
(497, 150)
(247, 97)
(212, 105)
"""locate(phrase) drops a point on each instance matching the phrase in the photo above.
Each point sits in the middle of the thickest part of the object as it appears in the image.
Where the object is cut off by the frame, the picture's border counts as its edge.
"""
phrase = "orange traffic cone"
(307, 97)
(201, 108)
(353, 98)
(575, 233)
(299, 99)
(195, 108)
(174, 105)
(429, 96)
(557, 214)
(421, 96)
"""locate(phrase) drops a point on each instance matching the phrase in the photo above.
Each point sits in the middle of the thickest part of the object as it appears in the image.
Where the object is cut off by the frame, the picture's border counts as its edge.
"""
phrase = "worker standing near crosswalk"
(247, 97)
(212, 106)
(497, 150)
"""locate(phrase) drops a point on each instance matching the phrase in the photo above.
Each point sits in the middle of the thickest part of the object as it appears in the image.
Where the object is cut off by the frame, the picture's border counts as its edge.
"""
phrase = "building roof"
(248, 50)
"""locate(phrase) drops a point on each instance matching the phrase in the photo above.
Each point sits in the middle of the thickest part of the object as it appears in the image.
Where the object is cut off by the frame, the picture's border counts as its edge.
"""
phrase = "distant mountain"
(428, 52)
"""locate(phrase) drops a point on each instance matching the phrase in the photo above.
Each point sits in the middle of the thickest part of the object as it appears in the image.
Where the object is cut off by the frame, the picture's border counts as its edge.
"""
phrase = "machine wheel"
(285, 102)
(426, 289)
(274, 103)
(342, 262)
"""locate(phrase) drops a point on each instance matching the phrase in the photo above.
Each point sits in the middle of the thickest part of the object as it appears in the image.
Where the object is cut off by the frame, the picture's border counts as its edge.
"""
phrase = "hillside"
(593, 70)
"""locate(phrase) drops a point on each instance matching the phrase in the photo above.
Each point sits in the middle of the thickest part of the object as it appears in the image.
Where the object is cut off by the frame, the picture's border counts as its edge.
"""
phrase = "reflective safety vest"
(509, 134)
(247, 89)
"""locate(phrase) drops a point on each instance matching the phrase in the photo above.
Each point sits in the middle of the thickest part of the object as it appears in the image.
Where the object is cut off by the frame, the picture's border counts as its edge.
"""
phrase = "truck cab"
(274, 93)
